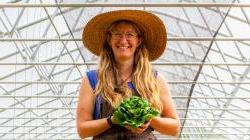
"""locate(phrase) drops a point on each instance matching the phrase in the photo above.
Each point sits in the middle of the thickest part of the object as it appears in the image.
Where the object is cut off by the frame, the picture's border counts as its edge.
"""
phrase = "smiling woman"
(126, 44)
(124, 38)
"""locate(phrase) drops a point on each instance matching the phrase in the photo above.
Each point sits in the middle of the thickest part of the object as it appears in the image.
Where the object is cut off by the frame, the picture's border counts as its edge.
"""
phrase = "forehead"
(123, 26)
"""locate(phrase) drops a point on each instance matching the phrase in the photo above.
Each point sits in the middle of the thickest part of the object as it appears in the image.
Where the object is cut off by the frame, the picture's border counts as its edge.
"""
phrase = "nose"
(123, 39)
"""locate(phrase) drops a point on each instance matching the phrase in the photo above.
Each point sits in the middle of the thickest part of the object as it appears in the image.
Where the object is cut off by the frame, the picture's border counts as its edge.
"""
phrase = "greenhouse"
(206, 64)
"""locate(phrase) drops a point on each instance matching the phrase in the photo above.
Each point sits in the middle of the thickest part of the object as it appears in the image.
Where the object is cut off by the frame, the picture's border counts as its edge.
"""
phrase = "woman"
(126, 42)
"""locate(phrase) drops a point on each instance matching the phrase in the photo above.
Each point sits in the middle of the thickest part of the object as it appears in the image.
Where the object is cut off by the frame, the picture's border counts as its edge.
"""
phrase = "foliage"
(134, 111)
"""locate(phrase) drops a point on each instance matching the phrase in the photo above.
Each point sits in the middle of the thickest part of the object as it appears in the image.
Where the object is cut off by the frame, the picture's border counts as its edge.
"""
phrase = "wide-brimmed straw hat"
(152, 27)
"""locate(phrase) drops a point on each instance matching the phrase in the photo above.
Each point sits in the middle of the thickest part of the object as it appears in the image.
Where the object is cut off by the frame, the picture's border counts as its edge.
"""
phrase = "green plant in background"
(134, 111)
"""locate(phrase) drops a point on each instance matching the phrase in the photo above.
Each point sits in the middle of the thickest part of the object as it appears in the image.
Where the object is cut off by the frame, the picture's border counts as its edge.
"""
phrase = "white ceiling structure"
(42, 61)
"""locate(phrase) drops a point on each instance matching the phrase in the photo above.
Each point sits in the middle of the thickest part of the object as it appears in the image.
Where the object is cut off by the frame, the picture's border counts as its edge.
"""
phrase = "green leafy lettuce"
(134, 111)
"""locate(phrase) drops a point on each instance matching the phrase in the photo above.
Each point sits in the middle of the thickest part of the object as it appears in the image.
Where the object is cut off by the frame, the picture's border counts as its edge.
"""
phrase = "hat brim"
(154, 31)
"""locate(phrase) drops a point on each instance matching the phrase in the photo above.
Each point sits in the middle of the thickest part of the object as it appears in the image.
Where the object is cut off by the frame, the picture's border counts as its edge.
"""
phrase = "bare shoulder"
(163, 84)
(86, 100)
(169, 109)
(85, 87)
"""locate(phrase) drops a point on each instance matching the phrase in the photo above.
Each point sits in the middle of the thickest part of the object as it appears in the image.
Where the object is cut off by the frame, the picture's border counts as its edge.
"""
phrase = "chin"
(124, 57)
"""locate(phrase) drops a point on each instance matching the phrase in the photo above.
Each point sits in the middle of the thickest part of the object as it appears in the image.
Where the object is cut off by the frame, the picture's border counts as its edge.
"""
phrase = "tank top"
(103, 109)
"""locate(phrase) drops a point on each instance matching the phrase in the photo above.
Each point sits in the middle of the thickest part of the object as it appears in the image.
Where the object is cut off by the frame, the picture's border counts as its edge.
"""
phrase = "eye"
(131, 34)
(116, 34)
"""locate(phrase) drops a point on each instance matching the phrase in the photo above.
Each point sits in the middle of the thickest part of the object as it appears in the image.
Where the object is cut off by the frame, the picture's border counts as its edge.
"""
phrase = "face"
(124, 40)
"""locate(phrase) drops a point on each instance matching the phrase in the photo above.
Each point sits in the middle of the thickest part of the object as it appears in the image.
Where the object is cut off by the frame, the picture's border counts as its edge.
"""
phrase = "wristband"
(109, 121)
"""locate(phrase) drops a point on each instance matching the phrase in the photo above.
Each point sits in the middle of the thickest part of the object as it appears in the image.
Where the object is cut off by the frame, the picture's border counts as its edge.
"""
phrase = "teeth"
(123, 47)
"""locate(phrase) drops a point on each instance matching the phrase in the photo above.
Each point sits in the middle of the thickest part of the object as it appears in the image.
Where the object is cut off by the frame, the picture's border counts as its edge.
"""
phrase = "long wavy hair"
(143, 77)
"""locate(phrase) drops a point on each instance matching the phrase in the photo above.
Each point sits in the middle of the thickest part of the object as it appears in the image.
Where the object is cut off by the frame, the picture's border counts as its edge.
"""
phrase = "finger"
(134, 130)
(148, 121)
(145, 125)
(128, 127)
(139, 130)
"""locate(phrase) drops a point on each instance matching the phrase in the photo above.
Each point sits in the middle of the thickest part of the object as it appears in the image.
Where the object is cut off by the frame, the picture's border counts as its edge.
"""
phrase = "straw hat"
(153, 29)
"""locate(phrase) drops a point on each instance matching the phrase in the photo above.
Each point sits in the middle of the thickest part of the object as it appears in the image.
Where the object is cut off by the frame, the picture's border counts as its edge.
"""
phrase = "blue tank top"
(93, 79)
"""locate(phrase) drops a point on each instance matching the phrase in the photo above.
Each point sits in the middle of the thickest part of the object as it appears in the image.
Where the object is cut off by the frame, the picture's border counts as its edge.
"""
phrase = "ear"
(139, 42)
(108, 40)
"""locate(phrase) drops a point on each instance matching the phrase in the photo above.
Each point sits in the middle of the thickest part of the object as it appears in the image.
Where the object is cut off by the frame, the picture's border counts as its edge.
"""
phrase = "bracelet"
(109, 121)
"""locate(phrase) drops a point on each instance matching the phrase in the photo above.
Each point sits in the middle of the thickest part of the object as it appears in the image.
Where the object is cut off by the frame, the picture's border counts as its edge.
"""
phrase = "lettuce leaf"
(134, 111)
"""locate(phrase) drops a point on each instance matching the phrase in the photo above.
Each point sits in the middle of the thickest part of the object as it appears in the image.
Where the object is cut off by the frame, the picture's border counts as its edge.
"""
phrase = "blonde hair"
(143, 78)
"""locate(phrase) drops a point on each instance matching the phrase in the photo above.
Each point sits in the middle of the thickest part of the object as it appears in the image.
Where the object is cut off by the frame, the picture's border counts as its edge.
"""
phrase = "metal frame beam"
(145, 4)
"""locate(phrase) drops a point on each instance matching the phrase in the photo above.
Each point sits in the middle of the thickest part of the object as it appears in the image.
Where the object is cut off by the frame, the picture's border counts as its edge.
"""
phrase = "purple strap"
(92, 76)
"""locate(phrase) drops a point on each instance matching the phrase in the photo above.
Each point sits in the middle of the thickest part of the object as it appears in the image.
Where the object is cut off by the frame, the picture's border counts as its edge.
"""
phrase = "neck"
(125, 69)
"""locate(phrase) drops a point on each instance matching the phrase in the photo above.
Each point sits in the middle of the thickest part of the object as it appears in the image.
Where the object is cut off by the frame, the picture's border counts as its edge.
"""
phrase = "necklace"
(118, 87)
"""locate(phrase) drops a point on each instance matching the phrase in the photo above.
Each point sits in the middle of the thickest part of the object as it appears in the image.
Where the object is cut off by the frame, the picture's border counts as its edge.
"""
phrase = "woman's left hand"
(140, 129)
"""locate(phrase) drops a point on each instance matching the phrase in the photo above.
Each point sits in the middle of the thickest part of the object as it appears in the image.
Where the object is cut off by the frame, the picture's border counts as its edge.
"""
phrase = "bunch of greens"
(134, 111)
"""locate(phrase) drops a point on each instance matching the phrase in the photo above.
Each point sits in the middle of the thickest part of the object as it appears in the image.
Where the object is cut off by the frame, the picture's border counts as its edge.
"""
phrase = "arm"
(86, 126)
(168, 123)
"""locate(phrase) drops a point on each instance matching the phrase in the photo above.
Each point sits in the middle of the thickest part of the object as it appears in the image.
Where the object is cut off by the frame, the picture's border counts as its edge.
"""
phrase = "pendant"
(117, 89)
